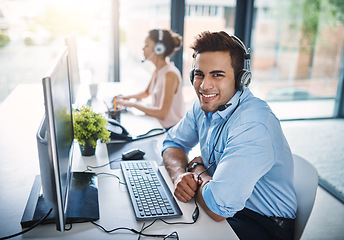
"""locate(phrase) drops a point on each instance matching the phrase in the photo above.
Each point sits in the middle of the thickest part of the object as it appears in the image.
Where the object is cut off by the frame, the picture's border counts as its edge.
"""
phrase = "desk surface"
(20, 115)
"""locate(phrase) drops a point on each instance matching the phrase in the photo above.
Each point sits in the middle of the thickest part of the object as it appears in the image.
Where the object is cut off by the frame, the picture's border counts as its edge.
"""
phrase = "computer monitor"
(73, 196)
(73, 62)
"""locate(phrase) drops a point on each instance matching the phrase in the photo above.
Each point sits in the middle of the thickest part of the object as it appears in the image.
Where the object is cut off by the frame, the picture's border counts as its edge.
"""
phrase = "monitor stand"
(82, 205)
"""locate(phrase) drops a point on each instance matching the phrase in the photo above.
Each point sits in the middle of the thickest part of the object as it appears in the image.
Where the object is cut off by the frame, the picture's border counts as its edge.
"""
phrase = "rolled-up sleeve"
(248, 155)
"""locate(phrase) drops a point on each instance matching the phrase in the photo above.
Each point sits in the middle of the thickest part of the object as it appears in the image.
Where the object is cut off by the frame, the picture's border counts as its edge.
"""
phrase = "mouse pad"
(150, 147)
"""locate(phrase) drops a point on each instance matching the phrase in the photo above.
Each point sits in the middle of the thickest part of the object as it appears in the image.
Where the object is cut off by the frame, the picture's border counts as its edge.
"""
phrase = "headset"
(159, 47)
(243, 78)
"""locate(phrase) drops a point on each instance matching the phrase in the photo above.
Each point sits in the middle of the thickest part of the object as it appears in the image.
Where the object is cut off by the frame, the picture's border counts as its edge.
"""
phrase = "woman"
(165, 86)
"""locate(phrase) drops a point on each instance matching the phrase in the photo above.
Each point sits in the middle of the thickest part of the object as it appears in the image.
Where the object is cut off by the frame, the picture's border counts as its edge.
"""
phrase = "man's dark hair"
(220, 41)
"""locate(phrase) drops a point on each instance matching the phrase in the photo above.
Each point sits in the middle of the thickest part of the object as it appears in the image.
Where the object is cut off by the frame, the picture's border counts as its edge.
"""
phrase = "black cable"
(100, 166)
(141, 231)
(145, 135)
(133, 231)
(218, 137)
(30, 228)
(152, 130)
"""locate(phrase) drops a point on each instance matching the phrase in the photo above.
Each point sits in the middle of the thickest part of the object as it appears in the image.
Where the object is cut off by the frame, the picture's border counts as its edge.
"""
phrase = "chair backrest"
(306, 184)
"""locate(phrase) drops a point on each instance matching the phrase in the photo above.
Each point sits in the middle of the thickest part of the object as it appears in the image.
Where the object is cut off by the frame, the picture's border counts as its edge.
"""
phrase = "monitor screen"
(73, 196)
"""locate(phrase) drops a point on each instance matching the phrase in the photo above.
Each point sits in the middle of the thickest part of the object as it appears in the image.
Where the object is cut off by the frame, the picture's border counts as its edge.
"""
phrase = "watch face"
(194, 165)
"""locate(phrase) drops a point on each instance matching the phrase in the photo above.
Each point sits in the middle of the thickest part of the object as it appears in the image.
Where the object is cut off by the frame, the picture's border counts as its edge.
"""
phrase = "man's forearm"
(175, 161)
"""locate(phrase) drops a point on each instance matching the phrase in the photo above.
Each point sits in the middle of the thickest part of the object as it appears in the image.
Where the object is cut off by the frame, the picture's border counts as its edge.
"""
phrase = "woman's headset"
(243, 78)
(159, 47)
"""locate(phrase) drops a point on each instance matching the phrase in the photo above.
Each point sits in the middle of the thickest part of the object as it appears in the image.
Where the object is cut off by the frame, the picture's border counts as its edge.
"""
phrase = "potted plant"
(88, 128)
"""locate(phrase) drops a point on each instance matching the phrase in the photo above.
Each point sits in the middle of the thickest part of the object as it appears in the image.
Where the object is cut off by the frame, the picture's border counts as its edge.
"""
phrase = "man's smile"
(208, 97)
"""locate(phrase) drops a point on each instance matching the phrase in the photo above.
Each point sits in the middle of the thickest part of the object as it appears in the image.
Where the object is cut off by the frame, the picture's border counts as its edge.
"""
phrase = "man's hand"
(185, 187)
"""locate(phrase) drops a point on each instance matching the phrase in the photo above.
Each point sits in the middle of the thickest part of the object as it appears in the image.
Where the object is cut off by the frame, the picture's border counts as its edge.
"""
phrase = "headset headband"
(161, 35)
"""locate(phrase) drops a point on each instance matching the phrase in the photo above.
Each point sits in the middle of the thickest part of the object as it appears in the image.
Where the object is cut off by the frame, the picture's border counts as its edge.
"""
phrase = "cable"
(30, 228)
(113, 175)
(88, 168)
(145, 135)
(141, 231)
(164, 236)
(218, 137)
(100, 166)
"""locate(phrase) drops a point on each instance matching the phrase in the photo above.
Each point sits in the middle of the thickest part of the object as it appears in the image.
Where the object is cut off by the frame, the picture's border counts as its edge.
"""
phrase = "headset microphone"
(149, 57)
(224, 106)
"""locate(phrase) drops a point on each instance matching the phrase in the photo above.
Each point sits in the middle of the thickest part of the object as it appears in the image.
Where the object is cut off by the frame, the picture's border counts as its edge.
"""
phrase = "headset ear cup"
(192, 76)
(159, 48)
(243, 79)
(246, 79)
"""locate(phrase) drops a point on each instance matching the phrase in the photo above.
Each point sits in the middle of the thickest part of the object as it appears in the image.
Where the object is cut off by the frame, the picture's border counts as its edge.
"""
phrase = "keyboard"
(149, 194)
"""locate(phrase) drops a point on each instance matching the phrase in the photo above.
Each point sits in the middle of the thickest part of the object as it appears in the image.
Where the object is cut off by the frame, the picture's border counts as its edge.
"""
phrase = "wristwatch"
(193, 165)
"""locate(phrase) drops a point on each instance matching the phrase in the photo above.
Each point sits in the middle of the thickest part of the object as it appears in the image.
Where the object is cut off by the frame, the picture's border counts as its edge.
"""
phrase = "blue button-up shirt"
(253, 162)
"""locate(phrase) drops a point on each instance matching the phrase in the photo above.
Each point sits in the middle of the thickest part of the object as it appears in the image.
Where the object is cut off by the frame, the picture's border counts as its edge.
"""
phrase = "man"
(245, 171)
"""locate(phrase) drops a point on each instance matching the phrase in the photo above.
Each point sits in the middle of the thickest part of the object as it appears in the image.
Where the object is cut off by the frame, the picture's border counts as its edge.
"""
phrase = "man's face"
(214, 81)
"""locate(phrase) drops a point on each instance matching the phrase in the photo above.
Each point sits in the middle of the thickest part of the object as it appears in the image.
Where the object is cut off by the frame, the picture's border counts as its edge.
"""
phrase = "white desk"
(20, 115)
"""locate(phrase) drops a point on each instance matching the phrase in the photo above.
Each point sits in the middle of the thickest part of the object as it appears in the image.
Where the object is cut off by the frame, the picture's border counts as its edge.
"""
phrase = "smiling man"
(245, 172)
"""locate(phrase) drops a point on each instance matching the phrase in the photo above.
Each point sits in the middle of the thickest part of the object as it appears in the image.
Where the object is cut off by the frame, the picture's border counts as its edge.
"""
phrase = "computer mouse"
(133, 154)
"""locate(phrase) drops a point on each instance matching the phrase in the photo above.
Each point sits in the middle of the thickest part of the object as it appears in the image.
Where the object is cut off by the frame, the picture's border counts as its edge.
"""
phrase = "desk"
(20, 115)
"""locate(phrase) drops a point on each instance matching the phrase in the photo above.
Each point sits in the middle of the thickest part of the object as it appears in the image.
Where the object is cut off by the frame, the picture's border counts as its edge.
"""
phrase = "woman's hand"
(125, 103)
(119, 101)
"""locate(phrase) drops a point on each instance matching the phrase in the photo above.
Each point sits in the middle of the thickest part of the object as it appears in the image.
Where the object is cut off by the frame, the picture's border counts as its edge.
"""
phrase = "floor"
(327, 218)
(321, 143)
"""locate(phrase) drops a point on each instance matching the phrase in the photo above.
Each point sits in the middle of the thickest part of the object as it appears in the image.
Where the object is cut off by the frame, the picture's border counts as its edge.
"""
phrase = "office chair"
(306, 184)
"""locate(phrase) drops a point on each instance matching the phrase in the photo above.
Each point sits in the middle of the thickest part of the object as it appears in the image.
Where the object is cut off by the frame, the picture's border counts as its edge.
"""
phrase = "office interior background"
(297, 49)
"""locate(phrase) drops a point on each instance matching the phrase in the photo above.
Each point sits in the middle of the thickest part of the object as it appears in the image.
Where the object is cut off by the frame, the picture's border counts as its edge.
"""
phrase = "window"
(36, 31)
(297, 51)
(137, 18)
(296, 46)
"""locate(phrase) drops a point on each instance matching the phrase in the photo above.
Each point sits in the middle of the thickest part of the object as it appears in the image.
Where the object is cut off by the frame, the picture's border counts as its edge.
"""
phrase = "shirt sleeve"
(184, 135)
(247, 156)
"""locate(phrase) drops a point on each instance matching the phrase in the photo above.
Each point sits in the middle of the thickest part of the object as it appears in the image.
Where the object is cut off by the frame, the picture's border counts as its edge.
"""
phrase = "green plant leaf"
(90, 126)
